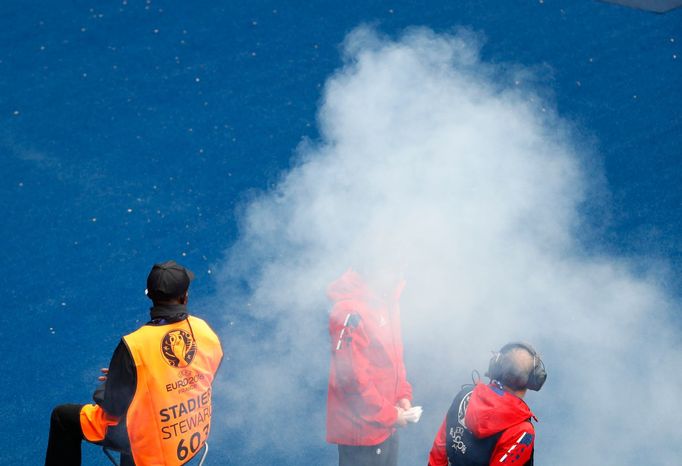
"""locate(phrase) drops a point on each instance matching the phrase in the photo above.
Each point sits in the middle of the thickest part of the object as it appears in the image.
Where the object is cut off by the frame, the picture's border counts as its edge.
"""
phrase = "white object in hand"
(413, 414)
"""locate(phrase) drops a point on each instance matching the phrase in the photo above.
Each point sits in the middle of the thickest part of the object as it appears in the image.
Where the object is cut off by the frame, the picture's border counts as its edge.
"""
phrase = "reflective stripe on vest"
(169, 418)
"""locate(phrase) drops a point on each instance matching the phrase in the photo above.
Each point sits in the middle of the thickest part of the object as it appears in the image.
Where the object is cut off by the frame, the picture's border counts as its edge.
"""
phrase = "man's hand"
(402, 417)
(105, 372)
(404, 403)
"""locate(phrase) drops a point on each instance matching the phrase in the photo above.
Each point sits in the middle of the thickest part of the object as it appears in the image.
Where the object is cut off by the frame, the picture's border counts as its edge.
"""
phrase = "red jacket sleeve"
(404, 387)
(515, 446)
(438, 455)
(353, 375)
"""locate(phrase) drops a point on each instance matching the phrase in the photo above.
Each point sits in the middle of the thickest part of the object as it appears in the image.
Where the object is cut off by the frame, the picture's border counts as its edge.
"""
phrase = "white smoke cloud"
(437, 165)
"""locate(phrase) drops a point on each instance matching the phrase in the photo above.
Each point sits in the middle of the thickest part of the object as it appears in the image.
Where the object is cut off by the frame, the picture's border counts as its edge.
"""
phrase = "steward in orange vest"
(155, 402)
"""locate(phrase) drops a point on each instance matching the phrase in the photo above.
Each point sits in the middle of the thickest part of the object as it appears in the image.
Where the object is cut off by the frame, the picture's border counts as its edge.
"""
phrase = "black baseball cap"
(168, 280)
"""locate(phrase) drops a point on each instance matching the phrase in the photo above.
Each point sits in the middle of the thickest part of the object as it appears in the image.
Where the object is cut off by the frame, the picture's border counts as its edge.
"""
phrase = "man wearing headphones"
(491, 424)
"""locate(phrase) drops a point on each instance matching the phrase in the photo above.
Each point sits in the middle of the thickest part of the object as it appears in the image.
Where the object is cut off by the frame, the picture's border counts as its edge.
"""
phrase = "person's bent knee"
(67, 417)
(67, 411)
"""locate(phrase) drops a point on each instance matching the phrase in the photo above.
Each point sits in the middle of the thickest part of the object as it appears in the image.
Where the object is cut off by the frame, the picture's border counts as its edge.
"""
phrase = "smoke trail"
(438, 165)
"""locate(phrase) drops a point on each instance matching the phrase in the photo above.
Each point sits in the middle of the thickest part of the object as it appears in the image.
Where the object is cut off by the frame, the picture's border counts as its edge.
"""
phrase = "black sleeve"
(117, 392)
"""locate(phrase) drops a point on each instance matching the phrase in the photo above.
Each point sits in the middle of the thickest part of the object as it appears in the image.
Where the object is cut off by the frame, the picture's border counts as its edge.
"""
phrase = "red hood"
(492, 410)
(352, 286)
(348, 286)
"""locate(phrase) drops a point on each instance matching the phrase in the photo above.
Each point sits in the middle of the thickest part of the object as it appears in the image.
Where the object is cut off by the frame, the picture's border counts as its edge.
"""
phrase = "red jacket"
(490, 411)
(367, 374)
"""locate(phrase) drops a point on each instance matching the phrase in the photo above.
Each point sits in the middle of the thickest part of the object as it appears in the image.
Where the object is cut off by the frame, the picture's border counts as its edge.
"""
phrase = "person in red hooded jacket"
(491, 424)
(368, 394)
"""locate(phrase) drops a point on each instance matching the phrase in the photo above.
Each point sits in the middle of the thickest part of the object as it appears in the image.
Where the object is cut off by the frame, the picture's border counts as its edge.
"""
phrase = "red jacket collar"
(492, 410)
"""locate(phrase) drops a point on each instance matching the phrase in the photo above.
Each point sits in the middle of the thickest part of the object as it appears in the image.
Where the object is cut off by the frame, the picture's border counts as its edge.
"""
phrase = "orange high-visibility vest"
(169, 418)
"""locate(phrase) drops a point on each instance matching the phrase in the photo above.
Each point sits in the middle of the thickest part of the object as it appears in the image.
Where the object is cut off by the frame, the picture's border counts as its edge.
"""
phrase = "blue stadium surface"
(136, 131)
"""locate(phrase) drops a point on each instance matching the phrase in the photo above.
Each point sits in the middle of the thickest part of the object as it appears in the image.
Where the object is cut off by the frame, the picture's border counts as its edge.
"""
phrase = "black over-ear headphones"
(498, 368)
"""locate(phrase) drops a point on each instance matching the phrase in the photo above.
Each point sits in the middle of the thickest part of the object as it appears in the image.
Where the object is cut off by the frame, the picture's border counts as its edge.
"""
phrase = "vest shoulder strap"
(463, 448)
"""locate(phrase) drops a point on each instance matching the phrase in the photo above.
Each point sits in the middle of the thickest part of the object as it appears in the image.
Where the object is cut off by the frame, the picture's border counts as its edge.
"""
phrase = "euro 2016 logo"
(178, 348)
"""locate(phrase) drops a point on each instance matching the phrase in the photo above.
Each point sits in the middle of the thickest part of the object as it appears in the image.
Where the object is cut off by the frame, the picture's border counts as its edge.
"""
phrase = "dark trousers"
(66, 435)
(384, 454)
(64, 442)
